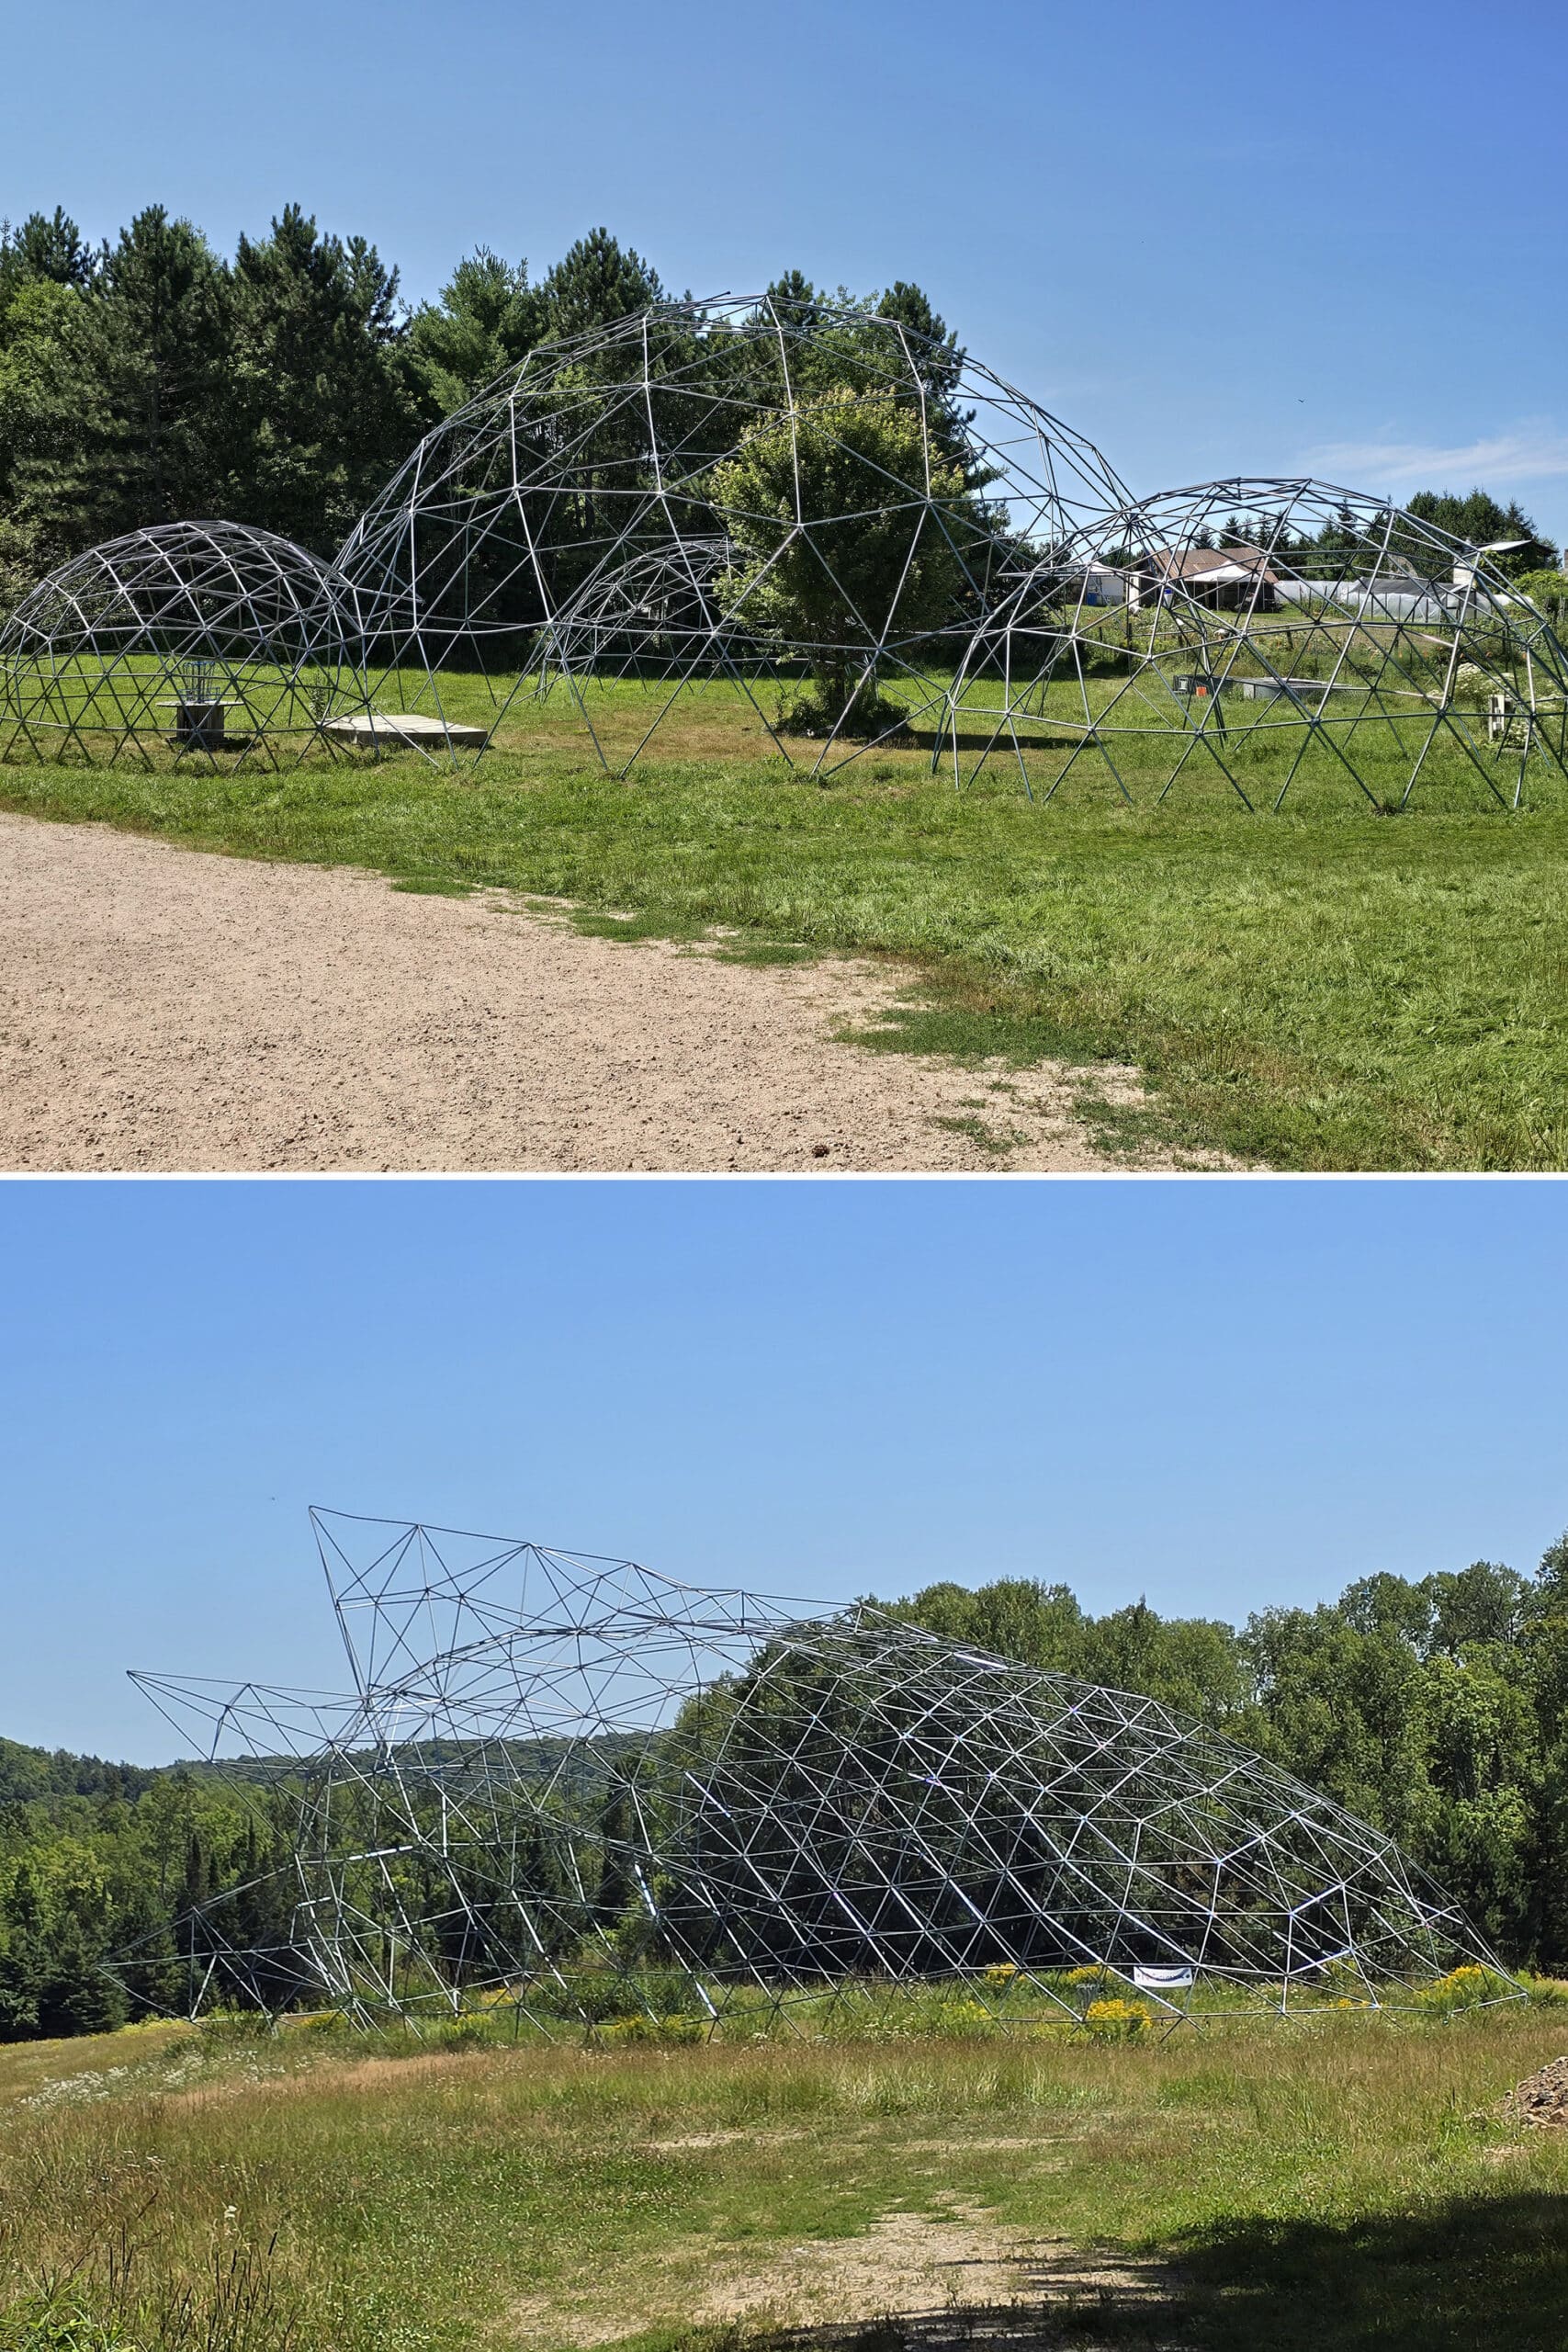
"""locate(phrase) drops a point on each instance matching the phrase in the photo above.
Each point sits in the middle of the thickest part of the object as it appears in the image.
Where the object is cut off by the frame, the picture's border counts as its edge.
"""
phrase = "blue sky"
(1222, 1395)
(1229, 239)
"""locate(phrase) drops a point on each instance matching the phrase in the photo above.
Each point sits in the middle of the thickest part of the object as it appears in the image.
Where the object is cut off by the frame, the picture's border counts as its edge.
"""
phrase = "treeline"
(97, 1857)
(1437, 1709)
(1476, 520)
(41, 1772)
(153, 378)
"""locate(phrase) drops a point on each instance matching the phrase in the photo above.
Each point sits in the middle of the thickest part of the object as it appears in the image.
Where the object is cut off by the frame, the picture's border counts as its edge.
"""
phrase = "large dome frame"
(581, 1790)
(762, 499)
(614, 472)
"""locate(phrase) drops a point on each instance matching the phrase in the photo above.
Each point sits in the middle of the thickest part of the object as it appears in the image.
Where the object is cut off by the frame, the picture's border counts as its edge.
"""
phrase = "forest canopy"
(154, 380)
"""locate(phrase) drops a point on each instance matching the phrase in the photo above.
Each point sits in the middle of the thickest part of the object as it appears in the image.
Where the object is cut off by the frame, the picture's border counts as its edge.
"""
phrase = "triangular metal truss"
(1258, 633)
(582, 1791)
(209, 638)
(573, 524)
(586, 524)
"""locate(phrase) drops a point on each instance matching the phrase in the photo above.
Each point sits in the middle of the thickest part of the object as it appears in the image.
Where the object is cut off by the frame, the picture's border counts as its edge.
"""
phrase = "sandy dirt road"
(168, 1009)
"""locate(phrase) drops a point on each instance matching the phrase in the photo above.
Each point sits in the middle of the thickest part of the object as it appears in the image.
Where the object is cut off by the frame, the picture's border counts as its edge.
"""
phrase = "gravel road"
(171, 1009)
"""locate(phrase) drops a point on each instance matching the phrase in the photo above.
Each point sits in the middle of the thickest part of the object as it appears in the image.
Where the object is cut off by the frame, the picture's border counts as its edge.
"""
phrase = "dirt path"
(165, 1008)
(923, 2282)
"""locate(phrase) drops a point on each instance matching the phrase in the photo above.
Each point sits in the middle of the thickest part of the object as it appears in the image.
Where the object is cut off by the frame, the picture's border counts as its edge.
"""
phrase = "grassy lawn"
(1322, 2190)
(1330, 988)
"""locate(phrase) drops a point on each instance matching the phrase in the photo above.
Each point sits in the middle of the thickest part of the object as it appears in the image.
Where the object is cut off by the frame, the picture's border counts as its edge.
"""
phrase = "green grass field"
(1330, 988)
(1335, 2188)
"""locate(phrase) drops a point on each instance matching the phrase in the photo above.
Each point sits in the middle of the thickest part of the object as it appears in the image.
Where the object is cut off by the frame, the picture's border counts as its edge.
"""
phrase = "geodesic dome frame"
(584, 1790)
(1259, 633)
(208, 637)
(869, 491)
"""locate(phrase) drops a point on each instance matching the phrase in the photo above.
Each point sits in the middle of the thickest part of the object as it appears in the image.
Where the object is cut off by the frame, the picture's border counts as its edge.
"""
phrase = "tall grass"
(316, 2193)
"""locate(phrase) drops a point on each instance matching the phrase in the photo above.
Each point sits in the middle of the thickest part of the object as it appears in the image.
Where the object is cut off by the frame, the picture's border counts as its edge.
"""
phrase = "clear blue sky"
(1220, 1395)
(1221, 239)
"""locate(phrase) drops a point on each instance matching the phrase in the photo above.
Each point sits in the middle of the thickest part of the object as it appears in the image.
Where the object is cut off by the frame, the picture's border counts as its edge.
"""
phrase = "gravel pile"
(1541, 2099)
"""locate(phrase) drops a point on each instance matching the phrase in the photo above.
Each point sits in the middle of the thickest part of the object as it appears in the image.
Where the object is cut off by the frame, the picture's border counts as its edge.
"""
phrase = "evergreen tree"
(23, 1966)
(488, 320)
(1478, 521)
(910, 306)
(76, 1993)
(54, 411)
(45, 249)
(267, 1971)
(939, 361)
(112, 385)
(150, 1964)
(596, 283)
(24, 1954)
(1342, 535)
(323, 403)
(159, 349)
(797, 299)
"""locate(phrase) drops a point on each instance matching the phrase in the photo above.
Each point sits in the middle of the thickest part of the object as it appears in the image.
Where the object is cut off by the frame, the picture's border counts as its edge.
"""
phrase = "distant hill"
(31, 1774)
(27, 1773)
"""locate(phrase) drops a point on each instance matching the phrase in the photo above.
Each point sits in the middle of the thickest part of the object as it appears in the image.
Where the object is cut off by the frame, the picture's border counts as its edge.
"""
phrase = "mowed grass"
(1330, 988)
(1317, 2189)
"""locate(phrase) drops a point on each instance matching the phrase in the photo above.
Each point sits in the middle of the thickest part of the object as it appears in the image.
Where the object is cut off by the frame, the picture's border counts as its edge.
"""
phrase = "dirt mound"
(1541, 2099)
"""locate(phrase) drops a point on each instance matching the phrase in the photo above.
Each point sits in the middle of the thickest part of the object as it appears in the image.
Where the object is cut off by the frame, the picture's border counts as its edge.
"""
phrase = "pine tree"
(76, 1993)
(488, 320)
(44, 250)
(797, 299)
(596, 283)
(936, 349)
(1478, 520)
(23, 1965)
(159, 349)
(324, 404)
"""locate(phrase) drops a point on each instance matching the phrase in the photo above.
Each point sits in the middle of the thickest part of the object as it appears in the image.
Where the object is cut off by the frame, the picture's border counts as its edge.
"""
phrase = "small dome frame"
(209, 641)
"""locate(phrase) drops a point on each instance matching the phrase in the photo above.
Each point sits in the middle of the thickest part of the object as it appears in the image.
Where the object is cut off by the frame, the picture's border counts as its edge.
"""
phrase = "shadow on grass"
(1474, 2273)
(999, 745)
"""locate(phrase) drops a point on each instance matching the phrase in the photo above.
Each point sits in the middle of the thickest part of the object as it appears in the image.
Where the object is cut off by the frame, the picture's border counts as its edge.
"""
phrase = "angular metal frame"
(582, 1792)
(571, 528)
(1352, 625)
(570, 514)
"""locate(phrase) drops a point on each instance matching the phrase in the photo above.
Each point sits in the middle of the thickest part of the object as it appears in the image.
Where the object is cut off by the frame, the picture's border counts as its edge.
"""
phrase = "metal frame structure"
(206, 637)
(580, 521)
(1271, 631)
(762, 497)
(581, 1790)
